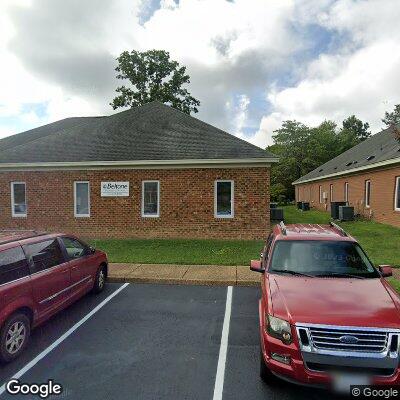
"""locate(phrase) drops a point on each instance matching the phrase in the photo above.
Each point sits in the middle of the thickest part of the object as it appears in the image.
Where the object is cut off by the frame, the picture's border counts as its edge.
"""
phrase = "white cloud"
(361, 78)
(235, 51)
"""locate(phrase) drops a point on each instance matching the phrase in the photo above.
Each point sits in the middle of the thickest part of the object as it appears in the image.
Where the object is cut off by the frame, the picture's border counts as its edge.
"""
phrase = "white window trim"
(12, 201)
(158, 200)
(346, 192)
(76, 215)
(232, 214)
(320, 194)
(331, 192)
(367, 203)
(396, 193)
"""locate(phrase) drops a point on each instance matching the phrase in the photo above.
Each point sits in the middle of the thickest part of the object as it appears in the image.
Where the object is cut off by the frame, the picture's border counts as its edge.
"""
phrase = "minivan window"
(13, 265)
(321, 258)
(44, 255)
(74, 248)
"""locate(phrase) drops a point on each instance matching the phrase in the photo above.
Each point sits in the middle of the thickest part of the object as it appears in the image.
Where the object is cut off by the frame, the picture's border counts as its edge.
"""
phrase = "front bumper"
(300, 367)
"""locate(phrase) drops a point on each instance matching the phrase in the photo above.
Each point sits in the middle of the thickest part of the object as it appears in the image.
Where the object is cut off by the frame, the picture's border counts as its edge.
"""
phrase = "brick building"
(150, 171)
(367, 176)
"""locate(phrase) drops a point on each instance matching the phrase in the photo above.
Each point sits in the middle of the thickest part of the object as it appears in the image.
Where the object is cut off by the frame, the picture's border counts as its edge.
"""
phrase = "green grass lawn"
(165, 251)
(381, 242)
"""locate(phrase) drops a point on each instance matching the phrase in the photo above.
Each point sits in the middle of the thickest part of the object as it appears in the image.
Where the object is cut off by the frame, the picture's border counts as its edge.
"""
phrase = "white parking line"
(219, 379)
(44, 353)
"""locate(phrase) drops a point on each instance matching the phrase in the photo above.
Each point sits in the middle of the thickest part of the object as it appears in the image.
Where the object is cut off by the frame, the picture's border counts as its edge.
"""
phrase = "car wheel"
(265, 373)
(100, 279)
(14, 336)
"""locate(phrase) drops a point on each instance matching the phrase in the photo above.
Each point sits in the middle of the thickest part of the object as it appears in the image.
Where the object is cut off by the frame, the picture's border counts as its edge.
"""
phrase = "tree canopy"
(301, 149)
(392, 118)
(153, 76)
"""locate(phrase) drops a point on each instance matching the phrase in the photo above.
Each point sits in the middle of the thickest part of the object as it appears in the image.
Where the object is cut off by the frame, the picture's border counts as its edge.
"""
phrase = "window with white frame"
(397, 195)
(82, 199)
(224, 199)
(150, 199)
(18, 199)
(367, 193)
(320, 194)
(331, 193)
(346, 192)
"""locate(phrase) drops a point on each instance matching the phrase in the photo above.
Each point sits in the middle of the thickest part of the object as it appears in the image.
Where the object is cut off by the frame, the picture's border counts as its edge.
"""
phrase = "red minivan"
(40, 274)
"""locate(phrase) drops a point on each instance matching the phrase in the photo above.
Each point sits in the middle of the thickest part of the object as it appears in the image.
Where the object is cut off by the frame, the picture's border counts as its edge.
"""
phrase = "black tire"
(100, 281)
(265, 373)
(18, 322)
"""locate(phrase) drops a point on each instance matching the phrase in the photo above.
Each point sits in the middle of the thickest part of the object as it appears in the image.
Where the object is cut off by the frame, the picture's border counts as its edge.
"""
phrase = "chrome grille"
(348, 340)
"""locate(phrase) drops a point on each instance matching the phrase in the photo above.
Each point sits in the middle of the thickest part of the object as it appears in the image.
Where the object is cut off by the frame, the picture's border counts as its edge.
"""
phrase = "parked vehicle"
(327, 315)
(40, 274)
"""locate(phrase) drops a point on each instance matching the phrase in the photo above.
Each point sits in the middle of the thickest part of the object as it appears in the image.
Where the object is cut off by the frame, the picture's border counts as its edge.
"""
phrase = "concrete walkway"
(184, 274)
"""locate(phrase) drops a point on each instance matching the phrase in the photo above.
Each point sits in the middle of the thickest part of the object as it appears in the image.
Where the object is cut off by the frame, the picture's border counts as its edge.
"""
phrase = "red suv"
(327, 316)
(40, 274)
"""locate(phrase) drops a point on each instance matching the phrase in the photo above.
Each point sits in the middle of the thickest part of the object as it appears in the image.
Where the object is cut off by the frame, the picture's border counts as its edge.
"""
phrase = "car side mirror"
(385, 270)
(255, 265)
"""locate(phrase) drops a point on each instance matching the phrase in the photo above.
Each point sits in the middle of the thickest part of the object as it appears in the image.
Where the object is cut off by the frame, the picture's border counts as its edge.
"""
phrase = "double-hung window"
(331, 192)
(346, 192)
(397, 195)
(367, 193)
(320, 194)
(151, 199)
(82, 199)
(224, 199)
(18, 199)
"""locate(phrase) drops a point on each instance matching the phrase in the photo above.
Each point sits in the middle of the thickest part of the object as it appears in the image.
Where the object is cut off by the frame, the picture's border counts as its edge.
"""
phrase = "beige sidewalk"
(184, 274)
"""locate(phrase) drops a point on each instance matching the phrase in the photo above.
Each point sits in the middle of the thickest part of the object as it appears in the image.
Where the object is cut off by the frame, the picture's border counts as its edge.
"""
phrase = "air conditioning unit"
(276, 214)
(346, 213)
(305, 206)
(335, 208)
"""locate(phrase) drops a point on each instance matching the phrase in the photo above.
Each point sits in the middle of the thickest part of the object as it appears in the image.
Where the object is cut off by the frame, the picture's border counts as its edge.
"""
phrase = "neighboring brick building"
(150, 171)
(367, 176)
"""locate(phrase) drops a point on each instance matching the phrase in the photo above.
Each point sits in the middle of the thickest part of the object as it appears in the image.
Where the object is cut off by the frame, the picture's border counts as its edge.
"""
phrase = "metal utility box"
(335, 208)
(346, 213)
(277, 214)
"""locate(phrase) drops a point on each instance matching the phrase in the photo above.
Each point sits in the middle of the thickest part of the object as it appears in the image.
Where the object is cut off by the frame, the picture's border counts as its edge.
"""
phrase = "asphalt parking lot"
(153, 342)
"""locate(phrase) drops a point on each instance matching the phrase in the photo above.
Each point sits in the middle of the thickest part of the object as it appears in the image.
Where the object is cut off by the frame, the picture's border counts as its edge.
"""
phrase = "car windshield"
(321, 258)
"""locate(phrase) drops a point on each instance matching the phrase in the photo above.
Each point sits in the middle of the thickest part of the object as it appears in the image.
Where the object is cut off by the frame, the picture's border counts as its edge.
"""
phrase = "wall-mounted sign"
(114, 189)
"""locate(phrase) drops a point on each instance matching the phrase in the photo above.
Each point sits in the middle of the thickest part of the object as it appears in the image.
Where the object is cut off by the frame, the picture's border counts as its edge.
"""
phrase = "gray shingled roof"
(380, 147)
(151, 132)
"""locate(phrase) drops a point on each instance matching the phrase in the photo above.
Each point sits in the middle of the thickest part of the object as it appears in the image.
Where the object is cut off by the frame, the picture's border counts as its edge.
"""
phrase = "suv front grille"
(339, 339)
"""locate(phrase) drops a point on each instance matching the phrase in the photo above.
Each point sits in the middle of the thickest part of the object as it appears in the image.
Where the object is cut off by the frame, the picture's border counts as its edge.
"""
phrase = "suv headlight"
(280, 329)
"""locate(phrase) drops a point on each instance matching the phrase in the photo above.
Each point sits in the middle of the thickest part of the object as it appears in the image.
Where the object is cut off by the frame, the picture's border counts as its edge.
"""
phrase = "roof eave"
(220, 162)
(350, 171)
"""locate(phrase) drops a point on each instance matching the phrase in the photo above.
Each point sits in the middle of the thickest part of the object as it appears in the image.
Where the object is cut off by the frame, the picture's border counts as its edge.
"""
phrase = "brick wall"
(186, 203)
(383, 184)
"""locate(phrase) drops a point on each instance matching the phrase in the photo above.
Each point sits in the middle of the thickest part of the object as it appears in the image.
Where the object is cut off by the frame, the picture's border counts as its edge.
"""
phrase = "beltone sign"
(114, 189)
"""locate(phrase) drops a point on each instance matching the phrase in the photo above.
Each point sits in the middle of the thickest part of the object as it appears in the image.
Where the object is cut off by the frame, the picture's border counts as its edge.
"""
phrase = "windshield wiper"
(341, 274)
(289, 271)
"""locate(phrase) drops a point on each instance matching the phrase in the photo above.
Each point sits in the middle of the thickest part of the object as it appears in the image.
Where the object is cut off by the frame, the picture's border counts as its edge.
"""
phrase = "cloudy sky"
(253, 63)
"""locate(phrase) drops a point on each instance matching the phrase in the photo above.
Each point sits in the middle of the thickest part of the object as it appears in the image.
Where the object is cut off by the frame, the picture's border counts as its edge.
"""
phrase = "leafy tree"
(301, 149)
(153, 76)
(392, 118)
(353, 125)
(353, 131)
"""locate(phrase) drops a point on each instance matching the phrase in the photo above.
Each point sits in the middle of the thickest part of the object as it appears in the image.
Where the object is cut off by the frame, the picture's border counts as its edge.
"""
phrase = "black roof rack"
(337, 227)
